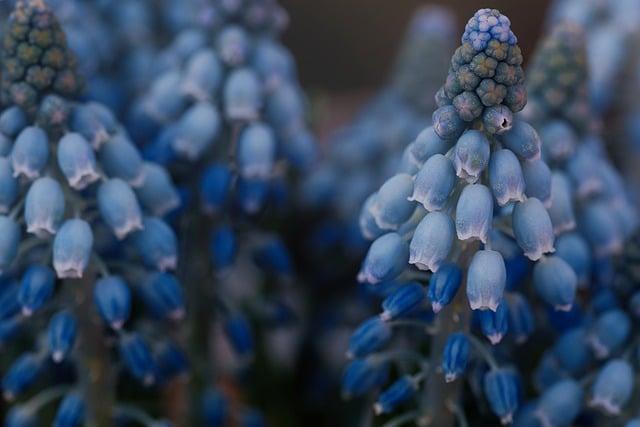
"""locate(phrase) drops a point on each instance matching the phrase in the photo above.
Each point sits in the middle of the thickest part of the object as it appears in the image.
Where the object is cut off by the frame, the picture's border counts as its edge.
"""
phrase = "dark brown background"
(349, 45)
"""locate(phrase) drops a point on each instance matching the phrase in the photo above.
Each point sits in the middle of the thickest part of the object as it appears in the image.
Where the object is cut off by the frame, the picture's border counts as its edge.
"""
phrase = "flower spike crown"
(82, 239)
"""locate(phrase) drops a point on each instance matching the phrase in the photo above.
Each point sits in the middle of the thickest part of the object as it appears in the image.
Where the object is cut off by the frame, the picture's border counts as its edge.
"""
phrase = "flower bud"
(432, 241)
(72, 249)
(455, 356)
(214, 187)
(36, 288)
(613, 386)
(560, 404)
(256, 151)
(600, 228)
(393, 204)
(233, 45)
(403, 300)
(238, 331)
(120, 159)
(386, 259)
(533, 228)
(157, 193)
(44, 207)
(157, 244)
(366, 222)
(137, 358)
(369, 337)
(61, 335)
(30, 153)
(584, 168)
(203, 75)
(486, 280)
(537, 178)
(443, 286)
(197, 130)
(71, 412)
(474, 213)
(94, 121)
(505, 177)
(501, 390)
(434, 182)
(561, 209)
(523, 140)
(119, 207)
(251, 194)
(447, 124)
(273, 257)
(12, 121)
(609, 332)
(426, 145)
(494, 324)
(242, 95)
(555, 282)
(9, 241)
(399, 392)
(521, 320)
(172, 361)
(8, 186)
(223, 247)
(112, 297)
(497, 119)
(285, 108)
(362, 375)
(571, 350)
(23, 372)
(165, 99)
(162, 295)
(77, 161)
(559, 141)
(471, 155)
(574, 249)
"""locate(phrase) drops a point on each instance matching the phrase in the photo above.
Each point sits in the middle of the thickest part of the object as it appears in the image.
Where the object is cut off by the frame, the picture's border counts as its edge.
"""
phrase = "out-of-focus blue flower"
(560, 404)
(157, 244)
(36, 288)
(369, 337)
(555, 282)
(613, 386)
(238, 331)
(609, 332)
(533, 228)
(399, 392)
(162, 294)
(21, 374)
(137, 358)
(537, 178)
(215, 408)
(455, 356)
(501, 390)
(521, 319)
(113, 300)
(223, 247)
(119, 207)
(71, 412)
(361, 375)
(61, 335)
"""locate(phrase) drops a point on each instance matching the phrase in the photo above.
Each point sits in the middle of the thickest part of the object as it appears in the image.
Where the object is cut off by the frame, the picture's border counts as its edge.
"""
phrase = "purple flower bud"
(369, 337)
(72, 249)
(471, 155)
(119, 207)
(120, 159)
(537, 178)
(455, 356)
(601, 229)
(505, 177)
(36, 288)
(447, 124)
(256, 153)
(432, 241)
(523, 140)
(386, 259)
(609, 332)
(30, 153)
(403, 300)
(559, 141)
(613, 386)
(443, 286)
(399, 392)
(157, 244)
(486, 280)
(494, 324)
(112, 297)
(162, 294)
(555, 282)
(501, 390)
(197, 130)
(203, 75)
(474, 213)
(497, 119)
(8, 186)
(434, 183)
(392, 205)
(157, 194)
(137, 358)
(560, 404)
(61, 335)
(242, 95)
(44, 207)
(77, 161)
(533, 228)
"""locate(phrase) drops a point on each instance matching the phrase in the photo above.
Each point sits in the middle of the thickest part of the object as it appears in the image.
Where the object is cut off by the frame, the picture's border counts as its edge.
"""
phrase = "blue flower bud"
(561, 209)
(501, 390)
(505, 177)
(471, 155)
(369, 337)
(273, 257)
(30, 153)
(214, 187)
(443, 286)
(10, 232)
(571, 350)
(573, 248)
(197, 130)
(497, 119)
(61, 335)
(609, 332)
(20, 416)
(300, 149)
(386, 259)
(9, 305)
(23, 372)
(242, 95)
(162, 294)
(560, 404)
(157, 244)
(223, 247)
(137, 358)
(44, 207)
(537, 178)
(559, 141)
(403, 300)
(157, 194)
(613, 386)
(8, 186)
(274, 63)
(434, 183)
(286, 107)
(426, 145)
(555, 282)
(256, 151)
(36, 288)
(584, 169)
(119, 207)
(203, 75)
(112, 297)
(71, 412)
(599, 226)
(165, 99)
(523, 140)
(6, 145)
(215, 408)
(72, 249)
(77, 161)
(233, 46)
(432, 241)
(120, 159)
(399, 392)
(362, 375)
(474, 213)
(252, 194)
(533, 228)
(486, 280)
(521, 320)
(366, 222)
(12, 121)
(447, 124)
(455, 356)
(393, 204)
(93, 121)
(494, 324)
(239, 333)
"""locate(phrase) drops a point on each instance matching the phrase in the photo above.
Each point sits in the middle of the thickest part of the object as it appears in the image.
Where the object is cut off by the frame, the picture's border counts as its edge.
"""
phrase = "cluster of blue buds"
(83, 241)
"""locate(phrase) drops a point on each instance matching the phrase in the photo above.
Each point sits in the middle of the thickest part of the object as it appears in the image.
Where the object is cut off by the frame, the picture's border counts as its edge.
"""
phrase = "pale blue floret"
(474, 213)
(486, 280)
(432, 241)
